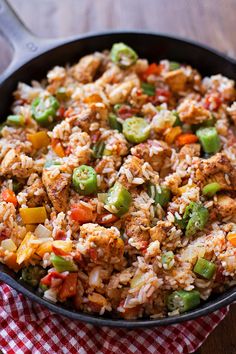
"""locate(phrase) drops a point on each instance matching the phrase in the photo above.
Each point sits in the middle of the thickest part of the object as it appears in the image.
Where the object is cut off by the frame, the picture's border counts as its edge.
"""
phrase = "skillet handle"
(25, 45)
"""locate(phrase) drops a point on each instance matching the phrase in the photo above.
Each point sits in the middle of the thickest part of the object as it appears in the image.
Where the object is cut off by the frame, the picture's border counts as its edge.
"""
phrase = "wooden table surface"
(208, 21)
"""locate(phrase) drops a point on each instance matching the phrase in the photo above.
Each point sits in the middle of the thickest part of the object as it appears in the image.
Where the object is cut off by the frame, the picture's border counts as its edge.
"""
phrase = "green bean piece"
(211, 189)
(32, 274)
(123, 55)
(118, 200)
(160, 194)
(16, 186)
(62, 265)
(136, 130)
(183, 301)
(197, 216)
(44, 110)
(98, 149)
(177, 121)
(113, 122)
(167, 260)
(84, 180)
(148, 89)
(209, 139)
(16, 120)
(173, 65)
(204, 268)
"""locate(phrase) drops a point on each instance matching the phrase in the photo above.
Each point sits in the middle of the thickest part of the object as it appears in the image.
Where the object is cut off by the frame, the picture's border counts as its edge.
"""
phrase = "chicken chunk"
(132, 172)
(221, 84)
(156, 153)
(217, 168)
(95, 113)
(137, 230)
(192, 112)
(225, 206)
(190, 150)
(176, 79)
(57, 188)
(101, 244)
(33, 194)
(87, 67)
(16, 165)
(159, 232)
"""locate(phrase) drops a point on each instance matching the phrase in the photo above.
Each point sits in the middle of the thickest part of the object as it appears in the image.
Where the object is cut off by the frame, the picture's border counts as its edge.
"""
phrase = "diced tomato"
(9, 196)
(61, 112)
(57, 147)
(59, 251)
(60, 235)
(153, 69)
(213, 101)
(4, 234)
(104, 220)
(143, 247)
(186, 138)
(48, 278)
(162, 95)
(81, 213)
(68, 112)
(125, 111)
(69, 287)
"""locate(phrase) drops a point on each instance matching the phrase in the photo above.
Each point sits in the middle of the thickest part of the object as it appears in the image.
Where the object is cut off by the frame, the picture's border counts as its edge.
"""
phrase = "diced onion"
(8, 245)
(42, 232)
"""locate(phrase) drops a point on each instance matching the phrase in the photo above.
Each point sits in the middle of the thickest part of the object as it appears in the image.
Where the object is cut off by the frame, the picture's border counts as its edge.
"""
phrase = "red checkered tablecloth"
(28, 328)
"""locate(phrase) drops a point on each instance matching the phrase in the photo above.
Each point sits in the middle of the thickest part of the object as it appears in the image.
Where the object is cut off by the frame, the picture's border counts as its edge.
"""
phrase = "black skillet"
(33, 57)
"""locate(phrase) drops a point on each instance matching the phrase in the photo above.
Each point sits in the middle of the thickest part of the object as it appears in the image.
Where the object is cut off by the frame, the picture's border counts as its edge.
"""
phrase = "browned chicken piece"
(217, 168)
(159, 232)
(157, 153)
(101, 244)
(190, 150)
(225, 206)
(86, 68)
(57, 189)
(192, 112)
(96, 112)
(16, 165)
(137, 229)
(36, 193)
(176, 79)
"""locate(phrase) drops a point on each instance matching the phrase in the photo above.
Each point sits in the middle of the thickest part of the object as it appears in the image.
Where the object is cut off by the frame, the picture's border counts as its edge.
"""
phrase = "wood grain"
(211, 22)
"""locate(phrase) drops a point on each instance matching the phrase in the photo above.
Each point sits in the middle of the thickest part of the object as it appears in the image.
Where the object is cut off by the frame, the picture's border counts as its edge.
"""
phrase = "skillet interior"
(148, 45)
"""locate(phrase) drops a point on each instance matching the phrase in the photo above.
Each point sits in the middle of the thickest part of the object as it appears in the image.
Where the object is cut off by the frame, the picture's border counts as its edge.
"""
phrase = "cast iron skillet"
(33, 57)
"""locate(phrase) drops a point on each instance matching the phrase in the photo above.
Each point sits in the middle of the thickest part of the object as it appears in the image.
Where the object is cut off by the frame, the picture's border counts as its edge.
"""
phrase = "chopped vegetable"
(177, 121)
(81, 213)
(8, 245)
(32, 274)
(9, 196)
(62, 94)
(153, 69)
(69, 287)
(46, 281)
(167, 260)
(58, 148)
(204, 268)
(26, 249)
(33, 215)
(102, 197)
(148, 89)
(209, 139)
(84, 180)
(172, 134)
(98, 149)
(44, 110)
(42, 232)
(136, 130)
(118, 200)
(50, 163)
(211, 189)
(39, 139)
(232, 239)
(197, 216)
(30, 227)
(173, 65)
(62, 265)
(186, 138)
(183, 301)
(163, 120)
(16, 120)
(123, 55)
(113, 122)
(16, 186)
(160, 194)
